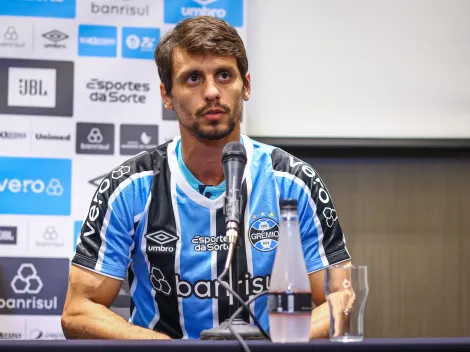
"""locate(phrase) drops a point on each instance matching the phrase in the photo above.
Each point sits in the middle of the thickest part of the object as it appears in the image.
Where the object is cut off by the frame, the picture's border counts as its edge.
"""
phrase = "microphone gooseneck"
(233, 161)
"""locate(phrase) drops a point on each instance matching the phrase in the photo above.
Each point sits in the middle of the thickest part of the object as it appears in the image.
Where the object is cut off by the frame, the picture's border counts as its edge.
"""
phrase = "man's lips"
(213, 114)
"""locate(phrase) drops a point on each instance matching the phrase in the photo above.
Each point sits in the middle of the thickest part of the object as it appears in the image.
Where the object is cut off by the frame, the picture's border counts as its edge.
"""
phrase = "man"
(159, 216)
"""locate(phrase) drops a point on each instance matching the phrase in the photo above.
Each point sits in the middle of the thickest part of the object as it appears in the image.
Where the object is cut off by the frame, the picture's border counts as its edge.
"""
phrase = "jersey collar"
(188, 189)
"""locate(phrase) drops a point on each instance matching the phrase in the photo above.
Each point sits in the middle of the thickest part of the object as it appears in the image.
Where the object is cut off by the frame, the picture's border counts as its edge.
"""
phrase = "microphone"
(234, 162)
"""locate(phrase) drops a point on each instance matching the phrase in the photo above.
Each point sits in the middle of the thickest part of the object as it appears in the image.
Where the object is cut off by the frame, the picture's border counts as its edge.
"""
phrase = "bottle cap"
(288, 203)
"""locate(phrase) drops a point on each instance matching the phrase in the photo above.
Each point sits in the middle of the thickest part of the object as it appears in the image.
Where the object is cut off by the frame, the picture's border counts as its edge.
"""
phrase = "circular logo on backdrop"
(132, 42)
(264, 234)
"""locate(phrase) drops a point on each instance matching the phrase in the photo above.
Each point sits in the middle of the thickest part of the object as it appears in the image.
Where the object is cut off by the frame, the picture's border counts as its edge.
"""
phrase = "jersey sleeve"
(107, 234)
(323, 241)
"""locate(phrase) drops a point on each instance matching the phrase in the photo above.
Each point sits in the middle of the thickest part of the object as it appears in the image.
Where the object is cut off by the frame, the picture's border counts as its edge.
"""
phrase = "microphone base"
(222, 332)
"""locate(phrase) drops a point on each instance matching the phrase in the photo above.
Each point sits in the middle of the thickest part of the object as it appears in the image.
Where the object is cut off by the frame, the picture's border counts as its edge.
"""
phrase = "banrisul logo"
(38, 8)
(33, 286)
(228, 10)
(35, 186)
(264, 234)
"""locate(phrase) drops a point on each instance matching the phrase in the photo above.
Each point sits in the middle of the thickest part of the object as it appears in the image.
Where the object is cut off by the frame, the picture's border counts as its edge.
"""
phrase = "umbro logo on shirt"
(161, 242)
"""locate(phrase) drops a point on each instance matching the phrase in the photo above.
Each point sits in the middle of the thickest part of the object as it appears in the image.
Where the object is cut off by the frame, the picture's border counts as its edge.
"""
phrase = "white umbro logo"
(161, 237)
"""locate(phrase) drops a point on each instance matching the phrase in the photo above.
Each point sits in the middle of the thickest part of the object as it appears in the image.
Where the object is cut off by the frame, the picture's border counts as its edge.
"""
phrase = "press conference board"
(388, 69)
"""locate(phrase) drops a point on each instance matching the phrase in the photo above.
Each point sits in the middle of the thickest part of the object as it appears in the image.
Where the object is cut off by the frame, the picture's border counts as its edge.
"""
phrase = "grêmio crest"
(264, 233)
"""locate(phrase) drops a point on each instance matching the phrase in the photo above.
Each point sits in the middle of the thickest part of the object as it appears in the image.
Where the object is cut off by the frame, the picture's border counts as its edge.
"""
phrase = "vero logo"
(35, 186)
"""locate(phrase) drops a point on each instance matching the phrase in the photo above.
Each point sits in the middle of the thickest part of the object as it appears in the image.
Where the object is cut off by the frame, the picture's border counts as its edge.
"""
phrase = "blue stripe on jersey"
(118, 232)
(263, 199)
(194, 220)
(309, 234)
(145, 306)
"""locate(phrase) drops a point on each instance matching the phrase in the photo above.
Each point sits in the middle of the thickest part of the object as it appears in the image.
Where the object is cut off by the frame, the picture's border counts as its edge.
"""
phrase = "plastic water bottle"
(290, 297)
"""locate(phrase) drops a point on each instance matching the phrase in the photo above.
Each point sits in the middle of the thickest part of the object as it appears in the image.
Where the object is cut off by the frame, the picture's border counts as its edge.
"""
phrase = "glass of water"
(346, 291)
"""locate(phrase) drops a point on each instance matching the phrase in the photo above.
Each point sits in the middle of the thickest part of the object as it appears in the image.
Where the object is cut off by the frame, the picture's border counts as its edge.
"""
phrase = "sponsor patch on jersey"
(264, 234)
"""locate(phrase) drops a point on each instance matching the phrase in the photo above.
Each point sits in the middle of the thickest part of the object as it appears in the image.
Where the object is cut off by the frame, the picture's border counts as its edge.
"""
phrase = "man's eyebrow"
(195, 71)
(225, 68)
(189, 71)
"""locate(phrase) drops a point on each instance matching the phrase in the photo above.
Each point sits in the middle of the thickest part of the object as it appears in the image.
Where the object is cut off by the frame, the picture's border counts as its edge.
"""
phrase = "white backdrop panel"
(359, 69)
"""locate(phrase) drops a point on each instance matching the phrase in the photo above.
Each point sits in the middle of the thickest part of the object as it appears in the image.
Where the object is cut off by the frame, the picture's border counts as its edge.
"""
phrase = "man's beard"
(216, 133)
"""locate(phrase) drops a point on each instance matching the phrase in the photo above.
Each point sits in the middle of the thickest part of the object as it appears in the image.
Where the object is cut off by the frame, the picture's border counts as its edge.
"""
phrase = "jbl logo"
(36, 87)
(32, 87)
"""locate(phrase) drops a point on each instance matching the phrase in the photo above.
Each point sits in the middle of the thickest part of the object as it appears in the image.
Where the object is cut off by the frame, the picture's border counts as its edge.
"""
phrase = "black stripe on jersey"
(333, 243)
(223, 300)
(130, 277)
(87, 251)
(130, 273)
(242, 261)
(162, 270)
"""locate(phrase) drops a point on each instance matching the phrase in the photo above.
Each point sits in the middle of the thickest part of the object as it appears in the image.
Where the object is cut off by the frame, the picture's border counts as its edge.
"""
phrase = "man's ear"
(167, 100)
(247, 87)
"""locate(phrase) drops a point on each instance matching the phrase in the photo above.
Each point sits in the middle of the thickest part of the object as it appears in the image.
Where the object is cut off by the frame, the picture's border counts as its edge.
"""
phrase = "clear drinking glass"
(346, 291)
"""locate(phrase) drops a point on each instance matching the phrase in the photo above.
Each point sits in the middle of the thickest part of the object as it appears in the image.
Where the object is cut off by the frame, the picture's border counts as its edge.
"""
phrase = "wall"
(407, 218)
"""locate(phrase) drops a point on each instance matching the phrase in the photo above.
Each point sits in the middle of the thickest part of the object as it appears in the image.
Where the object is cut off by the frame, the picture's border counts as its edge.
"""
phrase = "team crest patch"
(264, 234)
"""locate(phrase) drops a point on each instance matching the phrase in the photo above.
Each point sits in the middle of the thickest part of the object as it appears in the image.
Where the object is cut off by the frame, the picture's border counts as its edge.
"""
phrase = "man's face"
(207, 94)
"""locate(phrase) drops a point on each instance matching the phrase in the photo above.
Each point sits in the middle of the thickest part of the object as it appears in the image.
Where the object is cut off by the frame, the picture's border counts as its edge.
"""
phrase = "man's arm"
(321, 314)
(86, 312)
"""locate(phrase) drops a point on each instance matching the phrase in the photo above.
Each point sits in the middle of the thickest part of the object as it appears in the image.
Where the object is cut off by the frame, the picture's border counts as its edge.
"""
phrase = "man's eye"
(192, 78)
(225, 75)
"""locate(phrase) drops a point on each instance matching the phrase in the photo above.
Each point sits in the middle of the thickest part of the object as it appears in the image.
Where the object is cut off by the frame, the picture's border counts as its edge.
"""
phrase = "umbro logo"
(165, 242)
(161, 237)
(55, 36)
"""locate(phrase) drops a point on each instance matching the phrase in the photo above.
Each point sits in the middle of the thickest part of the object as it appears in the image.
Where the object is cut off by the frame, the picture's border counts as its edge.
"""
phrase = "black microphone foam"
(234, 150)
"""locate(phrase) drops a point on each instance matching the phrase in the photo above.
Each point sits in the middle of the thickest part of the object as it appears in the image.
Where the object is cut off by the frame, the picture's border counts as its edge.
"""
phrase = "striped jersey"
(148, 223)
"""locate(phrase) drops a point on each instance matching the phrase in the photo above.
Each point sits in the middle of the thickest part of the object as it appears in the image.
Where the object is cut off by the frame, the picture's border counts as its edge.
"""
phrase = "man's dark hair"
(200, 36)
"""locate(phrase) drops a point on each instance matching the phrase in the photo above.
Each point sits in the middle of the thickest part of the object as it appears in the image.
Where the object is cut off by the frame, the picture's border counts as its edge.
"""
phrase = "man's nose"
(211, 91)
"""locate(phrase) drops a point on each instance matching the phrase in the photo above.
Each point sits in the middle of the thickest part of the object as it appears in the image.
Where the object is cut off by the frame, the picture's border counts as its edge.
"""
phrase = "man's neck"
(203, 157)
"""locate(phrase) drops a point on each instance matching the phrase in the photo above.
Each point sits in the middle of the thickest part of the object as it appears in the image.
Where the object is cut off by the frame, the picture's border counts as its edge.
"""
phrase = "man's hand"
(86, 312)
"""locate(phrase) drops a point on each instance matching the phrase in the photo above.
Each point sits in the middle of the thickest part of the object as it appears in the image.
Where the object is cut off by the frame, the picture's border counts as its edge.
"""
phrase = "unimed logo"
(35, 186)
(33, 286)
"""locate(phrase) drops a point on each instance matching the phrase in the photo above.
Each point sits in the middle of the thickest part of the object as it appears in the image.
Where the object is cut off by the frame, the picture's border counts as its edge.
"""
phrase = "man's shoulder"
(281, 160)
(286, 165)
(148, 160)
(141, 166)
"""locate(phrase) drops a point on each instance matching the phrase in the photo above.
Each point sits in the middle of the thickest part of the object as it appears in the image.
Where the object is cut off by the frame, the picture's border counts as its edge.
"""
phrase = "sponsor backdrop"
(79, 94)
